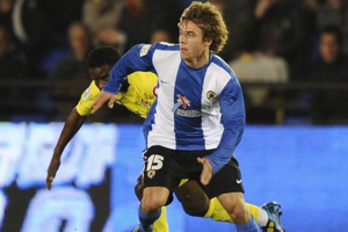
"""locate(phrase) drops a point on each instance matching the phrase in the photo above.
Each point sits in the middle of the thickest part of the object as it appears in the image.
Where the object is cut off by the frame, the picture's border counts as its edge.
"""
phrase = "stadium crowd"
(289, 55)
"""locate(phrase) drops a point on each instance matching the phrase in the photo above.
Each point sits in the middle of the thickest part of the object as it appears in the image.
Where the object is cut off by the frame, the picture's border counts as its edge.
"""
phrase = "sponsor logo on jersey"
(185, 103)
(188, 113)
(181, 101)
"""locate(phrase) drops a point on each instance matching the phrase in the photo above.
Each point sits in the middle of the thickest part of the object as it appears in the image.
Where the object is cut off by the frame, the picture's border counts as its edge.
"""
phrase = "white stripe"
(215, 80)
(162, 132)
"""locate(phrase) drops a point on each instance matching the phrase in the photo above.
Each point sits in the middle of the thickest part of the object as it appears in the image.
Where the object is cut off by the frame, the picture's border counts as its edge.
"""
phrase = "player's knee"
(193, 209)
(150, 206)
(240, 214)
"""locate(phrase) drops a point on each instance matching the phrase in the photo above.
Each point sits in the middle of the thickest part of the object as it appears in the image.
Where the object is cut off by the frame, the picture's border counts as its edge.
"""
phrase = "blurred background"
(289, 55)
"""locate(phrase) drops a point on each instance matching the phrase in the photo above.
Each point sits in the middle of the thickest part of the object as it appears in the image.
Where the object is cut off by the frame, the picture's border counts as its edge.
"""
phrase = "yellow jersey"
(138, 98)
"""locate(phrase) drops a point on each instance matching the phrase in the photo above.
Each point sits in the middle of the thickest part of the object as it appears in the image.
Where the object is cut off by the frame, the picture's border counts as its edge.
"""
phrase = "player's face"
(194, 50)
(100, 75)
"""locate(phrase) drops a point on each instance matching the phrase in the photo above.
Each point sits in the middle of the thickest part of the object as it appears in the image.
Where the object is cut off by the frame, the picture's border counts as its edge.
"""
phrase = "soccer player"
(197, 119)
(137, 94)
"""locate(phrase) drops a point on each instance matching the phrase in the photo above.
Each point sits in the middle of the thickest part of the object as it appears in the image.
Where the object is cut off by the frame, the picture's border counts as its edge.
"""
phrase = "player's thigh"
(233, 201)
(159, 168)
(139, 188)
(235, 206)
(193, 199)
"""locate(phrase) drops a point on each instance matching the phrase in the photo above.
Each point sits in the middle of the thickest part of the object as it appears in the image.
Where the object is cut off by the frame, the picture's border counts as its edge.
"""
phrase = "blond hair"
(210, 20)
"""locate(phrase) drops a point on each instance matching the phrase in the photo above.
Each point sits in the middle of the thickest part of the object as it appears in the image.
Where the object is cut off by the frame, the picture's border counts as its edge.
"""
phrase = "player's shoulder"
(224, 68)
(164, 46)
(150, 49)
(91, 92)
(94, 88)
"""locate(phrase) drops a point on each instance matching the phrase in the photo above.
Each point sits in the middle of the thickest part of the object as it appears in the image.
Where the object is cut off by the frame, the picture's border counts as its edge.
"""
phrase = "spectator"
(239, 20)
(60, 15)
(160, 35)
(13, 63)
(139, 20)
(262, 66)
(13, 67)
(334, 12)
(74, 65)
(6, 7)
(31, 30)
(295, 22)
(329, 106)
(99, 15)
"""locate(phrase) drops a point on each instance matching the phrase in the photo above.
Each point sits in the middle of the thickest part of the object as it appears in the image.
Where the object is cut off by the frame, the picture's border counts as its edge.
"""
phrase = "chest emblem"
(211, 96)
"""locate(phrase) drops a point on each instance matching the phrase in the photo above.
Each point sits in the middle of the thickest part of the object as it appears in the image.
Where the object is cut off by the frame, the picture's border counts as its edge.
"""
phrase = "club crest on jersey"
(211, 95)
(181, 101)
(151, 174)
(144, 50)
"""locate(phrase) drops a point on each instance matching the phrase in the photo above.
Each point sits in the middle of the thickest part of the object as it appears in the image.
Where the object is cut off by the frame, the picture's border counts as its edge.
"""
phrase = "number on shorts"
(154, 162)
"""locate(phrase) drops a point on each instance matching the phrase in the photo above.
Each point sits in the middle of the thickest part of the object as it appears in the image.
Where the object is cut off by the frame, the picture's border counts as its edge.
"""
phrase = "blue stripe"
(188, 130)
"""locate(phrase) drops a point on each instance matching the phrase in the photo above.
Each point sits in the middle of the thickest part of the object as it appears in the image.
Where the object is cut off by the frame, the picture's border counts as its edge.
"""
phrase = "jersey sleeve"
(86, 100)
(233, 119)
(138, 58)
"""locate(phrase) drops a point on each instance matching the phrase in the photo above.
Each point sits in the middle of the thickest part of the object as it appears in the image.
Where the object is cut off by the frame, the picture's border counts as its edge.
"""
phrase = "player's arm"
(233, 119)
(138, 58)
(72, 125)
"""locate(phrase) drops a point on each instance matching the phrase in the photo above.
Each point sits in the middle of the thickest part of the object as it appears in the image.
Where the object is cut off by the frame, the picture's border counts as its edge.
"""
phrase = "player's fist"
(207, 171)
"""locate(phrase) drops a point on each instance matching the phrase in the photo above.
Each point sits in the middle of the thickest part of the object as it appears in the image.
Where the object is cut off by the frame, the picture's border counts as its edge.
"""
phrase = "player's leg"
(218, 213)
(196, 203)
(161, 224)
(158, 185)
(227, 186)
(234, 204)
(193, 199)
(154, 198)
(228, 180)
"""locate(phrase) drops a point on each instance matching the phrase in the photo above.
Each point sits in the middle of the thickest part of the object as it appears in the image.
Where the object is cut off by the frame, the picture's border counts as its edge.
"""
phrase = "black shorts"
(228, 179)
(165, 167)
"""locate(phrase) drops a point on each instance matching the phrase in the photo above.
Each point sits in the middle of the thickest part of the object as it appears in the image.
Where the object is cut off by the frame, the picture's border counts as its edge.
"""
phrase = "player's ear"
(208, 41)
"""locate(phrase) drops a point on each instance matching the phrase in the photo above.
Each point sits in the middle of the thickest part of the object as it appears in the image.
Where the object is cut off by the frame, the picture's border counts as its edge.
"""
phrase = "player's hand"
(101, 99)
(207, 171)
(51, 172)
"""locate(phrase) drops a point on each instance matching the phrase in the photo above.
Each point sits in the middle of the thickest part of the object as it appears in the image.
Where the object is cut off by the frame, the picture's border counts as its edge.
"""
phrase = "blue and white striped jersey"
(195, 109)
